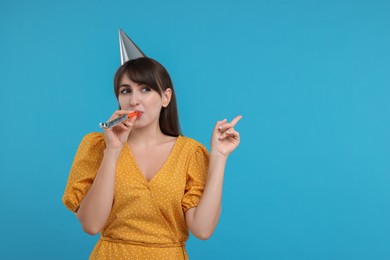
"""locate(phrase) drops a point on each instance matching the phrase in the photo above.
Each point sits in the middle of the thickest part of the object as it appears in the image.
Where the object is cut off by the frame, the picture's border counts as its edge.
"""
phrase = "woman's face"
(138, 97)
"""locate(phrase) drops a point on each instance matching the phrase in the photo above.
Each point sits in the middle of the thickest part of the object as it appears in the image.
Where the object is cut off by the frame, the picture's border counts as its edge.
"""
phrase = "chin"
(139, 125)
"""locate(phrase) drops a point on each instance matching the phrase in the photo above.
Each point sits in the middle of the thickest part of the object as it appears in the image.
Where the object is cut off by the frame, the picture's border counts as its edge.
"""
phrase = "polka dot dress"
(147, 220)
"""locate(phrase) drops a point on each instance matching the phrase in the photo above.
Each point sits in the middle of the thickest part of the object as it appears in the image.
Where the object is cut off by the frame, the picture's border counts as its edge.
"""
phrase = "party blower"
(117, 120)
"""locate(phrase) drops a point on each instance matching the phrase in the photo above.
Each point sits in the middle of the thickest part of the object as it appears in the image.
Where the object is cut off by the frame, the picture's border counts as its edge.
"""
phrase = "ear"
(166, 97)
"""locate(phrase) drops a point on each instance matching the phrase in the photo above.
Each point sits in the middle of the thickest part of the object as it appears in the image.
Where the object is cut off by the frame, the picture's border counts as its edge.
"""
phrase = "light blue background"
(310, 179)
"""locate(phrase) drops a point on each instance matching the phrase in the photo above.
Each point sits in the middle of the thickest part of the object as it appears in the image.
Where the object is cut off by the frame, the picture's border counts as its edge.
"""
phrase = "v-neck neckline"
(162, 167)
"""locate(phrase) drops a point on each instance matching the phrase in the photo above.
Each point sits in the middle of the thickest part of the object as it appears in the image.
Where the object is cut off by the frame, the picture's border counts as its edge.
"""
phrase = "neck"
(145, 136)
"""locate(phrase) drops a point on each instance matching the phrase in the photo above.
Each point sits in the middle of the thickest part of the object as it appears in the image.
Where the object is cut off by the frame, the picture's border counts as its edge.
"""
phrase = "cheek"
(154, 101)
(121, 101)
(157, 106)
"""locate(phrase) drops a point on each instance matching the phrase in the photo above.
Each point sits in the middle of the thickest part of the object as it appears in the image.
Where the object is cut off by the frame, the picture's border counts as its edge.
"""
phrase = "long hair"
(151, 73)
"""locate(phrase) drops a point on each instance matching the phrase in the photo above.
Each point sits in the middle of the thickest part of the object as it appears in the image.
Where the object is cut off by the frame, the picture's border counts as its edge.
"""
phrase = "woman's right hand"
(117, 135)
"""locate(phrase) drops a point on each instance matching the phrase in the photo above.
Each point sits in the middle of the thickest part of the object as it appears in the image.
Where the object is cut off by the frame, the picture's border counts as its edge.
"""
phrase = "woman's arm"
(96, 206)
(97, 203)
(203, 219)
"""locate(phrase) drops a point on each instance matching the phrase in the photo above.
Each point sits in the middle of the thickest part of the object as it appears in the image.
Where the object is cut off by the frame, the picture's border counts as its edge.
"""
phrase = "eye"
(145, 89)
(125, 90)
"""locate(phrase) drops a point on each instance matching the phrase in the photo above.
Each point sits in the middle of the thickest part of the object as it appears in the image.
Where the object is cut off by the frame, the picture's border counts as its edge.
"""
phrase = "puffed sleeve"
(196, 177)
(84, 169)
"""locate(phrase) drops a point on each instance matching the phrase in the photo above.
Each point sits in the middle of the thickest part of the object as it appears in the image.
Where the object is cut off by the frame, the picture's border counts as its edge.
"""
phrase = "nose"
(135, 99)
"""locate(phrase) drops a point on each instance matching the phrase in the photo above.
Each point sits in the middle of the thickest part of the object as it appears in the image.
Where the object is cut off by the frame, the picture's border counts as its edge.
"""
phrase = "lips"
(139, 113)
(136, 113)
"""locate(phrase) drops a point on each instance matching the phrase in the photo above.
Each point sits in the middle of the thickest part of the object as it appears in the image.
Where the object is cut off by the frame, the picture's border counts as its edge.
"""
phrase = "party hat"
(128, 48)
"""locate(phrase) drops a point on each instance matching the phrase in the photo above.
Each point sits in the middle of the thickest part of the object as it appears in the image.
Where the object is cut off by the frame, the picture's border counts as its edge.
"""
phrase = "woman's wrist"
(110, 151)
(218, 155)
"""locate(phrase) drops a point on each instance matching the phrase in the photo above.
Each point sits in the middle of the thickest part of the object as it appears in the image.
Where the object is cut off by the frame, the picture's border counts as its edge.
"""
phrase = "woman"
(141, 184)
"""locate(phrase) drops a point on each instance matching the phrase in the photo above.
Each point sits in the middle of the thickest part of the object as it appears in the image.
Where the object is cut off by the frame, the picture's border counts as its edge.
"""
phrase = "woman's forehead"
(125, 80)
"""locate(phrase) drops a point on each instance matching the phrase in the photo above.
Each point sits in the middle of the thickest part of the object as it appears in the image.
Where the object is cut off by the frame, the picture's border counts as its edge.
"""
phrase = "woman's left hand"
(225, 139)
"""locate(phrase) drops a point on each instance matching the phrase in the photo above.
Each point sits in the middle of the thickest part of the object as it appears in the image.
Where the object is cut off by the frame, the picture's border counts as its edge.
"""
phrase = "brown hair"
(151, 73)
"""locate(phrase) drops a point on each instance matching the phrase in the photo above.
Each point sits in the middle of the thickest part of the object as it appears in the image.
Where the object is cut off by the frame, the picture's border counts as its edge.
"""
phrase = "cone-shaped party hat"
(128, 48)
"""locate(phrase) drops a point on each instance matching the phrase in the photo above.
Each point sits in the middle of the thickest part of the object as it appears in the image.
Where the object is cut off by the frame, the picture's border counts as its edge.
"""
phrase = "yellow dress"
(147, 220)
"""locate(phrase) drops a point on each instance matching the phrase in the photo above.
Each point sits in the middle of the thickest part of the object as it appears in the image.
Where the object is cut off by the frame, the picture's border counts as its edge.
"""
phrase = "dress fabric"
(147, 219)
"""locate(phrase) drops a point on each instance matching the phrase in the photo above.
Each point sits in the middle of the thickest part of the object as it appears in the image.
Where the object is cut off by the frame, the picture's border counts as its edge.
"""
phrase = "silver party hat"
(128, 48)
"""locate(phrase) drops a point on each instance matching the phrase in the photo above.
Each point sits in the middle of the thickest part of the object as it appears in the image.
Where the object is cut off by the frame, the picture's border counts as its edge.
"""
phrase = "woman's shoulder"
(93, 140)
(191, 143)
(94, 137)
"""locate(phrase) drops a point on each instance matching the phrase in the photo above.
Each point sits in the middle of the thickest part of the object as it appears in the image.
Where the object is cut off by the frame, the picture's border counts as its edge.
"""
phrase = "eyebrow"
(128, 86)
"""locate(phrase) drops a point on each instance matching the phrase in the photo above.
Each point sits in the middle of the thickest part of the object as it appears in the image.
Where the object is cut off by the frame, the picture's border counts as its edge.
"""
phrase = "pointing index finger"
(235, 120)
